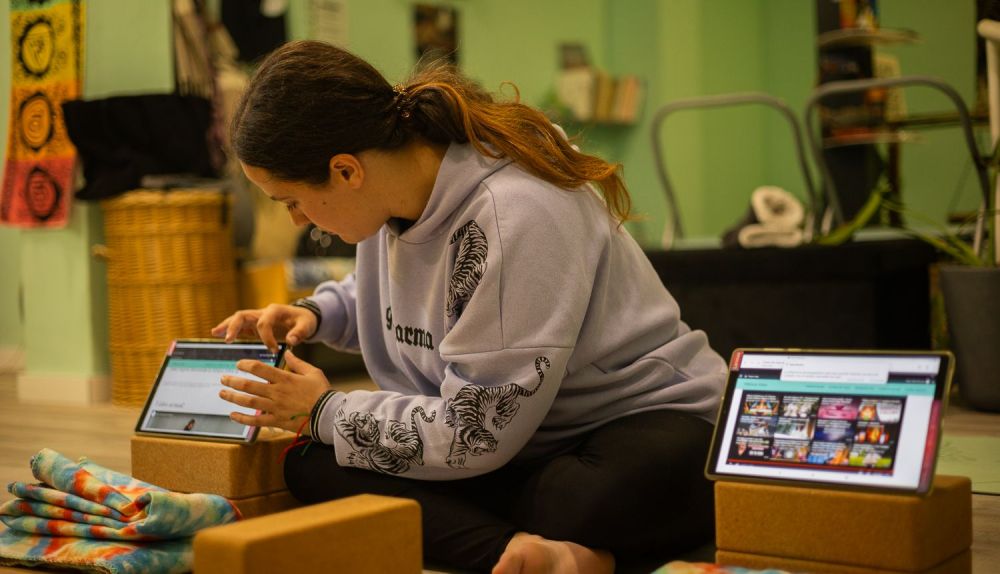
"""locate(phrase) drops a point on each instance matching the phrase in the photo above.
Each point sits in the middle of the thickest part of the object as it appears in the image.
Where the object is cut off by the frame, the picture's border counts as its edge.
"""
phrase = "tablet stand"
(821, 530)
(250, 475)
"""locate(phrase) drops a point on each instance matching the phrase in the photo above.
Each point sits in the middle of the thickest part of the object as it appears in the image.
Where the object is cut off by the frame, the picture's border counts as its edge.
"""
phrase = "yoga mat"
(977, 457)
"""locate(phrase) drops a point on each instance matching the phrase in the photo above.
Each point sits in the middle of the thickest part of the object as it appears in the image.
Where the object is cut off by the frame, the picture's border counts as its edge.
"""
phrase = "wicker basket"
(171, 274)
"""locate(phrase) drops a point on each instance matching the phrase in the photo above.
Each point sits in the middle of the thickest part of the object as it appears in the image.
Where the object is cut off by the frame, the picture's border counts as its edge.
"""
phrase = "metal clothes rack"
(722, 101)
(861, 86)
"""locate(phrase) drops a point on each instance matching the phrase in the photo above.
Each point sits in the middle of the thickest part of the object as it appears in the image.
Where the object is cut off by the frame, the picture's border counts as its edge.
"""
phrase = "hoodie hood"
(462, 170)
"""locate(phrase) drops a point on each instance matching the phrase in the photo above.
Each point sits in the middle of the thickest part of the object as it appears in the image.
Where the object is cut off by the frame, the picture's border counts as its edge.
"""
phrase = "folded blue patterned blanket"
(87, 517)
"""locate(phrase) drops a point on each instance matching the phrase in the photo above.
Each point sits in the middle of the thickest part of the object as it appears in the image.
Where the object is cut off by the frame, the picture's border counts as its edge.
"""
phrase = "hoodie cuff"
(314, 308)
(317, 410)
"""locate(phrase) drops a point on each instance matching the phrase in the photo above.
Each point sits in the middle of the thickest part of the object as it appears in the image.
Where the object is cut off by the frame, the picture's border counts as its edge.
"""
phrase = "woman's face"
(340, 206)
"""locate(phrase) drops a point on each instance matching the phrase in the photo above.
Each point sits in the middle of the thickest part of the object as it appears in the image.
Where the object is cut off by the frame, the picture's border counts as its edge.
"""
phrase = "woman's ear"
(346, 168)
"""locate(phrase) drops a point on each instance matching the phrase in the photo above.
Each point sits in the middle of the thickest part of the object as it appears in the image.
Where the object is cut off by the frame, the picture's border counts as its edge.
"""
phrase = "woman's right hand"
(270, 324)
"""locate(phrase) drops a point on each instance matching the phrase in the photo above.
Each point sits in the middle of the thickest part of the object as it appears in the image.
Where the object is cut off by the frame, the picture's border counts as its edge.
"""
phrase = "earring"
(321, 237)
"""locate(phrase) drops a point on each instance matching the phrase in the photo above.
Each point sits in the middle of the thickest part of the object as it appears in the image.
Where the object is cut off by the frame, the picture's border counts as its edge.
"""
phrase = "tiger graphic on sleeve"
(470, 264)
(466, 413)
(361, 431)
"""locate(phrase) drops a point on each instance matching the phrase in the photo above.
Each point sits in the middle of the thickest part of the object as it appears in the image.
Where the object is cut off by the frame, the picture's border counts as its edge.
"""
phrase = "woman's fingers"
(248, 386)
(266, 372)
(303, 326)
(294, 363)
(245, 400)
(273, 316)
(220, 329)
(297, 365)
(296, 335)
(271, 324)
(261, 420)
(265, 331)
(240, 322)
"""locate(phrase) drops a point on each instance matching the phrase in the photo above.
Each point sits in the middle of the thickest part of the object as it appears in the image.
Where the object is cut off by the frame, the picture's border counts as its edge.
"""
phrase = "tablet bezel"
(925, 484)
(193, 435)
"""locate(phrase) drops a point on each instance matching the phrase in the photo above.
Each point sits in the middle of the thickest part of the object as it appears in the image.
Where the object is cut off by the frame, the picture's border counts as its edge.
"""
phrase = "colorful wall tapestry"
(46, 70)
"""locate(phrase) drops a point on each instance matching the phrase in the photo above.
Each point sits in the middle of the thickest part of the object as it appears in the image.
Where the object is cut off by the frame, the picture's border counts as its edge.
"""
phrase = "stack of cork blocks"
(250, 475)
(359, 534)
(834, 531)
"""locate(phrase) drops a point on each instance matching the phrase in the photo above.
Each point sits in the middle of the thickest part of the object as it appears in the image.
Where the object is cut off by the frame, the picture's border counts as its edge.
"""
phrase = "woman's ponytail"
(310, 100)
(443, 106)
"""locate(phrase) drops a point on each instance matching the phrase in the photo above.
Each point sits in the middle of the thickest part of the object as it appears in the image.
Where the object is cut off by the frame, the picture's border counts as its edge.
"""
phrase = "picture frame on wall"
(436, 32)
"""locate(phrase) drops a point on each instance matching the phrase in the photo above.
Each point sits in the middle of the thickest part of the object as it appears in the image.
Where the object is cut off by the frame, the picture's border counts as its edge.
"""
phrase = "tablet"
(841, 419)
(184, 401)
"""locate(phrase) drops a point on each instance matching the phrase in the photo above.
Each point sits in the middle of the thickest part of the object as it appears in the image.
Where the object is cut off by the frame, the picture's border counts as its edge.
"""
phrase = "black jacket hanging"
(121, 139)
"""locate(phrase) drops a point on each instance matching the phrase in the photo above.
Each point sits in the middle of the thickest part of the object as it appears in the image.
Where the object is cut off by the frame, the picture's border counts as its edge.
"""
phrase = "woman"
(539, 395)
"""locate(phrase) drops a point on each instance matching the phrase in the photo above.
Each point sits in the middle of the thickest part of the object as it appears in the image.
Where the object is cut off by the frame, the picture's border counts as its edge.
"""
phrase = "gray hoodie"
(510, 318)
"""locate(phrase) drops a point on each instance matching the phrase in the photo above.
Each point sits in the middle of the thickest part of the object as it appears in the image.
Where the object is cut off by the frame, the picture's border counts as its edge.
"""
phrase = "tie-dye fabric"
(85, 516)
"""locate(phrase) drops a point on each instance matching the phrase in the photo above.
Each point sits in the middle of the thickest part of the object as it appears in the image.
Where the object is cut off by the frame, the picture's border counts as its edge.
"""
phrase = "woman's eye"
(291, 206)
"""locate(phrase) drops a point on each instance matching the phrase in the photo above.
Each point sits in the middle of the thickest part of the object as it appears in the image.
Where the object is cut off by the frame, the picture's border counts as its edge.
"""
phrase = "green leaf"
(868, 210)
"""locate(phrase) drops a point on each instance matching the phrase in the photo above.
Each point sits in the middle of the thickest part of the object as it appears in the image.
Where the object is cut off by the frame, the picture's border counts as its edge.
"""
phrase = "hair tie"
(400, 91)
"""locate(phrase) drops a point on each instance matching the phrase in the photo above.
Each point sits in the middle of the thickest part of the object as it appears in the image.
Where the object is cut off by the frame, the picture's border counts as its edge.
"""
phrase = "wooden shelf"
(867, 137)
(936, 120)
(862, 128)
(846, 37)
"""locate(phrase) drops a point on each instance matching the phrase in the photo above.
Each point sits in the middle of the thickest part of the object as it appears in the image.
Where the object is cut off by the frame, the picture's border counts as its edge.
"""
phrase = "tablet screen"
(859, 420)
(185, 399)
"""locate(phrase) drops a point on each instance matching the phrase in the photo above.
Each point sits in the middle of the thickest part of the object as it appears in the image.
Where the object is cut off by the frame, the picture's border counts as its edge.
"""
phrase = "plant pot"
(972, 304)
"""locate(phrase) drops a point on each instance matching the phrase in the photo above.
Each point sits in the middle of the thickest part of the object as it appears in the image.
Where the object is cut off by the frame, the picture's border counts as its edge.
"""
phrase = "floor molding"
(63, 388)
(11, 359)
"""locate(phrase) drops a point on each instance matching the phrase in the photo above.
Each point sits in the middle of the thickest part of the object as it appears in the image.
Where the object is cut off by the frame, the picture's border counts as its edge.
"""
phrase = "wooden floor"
(102, 434)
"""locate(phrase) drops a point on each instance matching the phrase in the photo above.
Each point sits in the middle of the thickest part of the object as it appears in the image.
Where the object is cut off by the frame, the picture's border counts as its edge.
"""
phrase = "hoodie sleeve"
(470, 430)
(516, 302)
(337, 302)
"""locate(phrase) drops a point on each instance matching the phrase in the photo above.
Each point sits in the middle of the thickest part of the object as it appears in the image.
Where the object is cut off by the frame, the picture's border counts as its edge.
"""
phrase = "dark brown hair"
(309, 101)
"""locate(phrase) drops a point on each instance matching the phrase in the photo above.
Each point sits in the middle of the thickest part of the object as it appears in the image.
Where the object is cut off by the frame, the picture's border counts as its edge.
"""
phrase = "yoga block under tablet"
(958, 564)
(254, 506)
(873, 531)
(227, 469)
(358, 534)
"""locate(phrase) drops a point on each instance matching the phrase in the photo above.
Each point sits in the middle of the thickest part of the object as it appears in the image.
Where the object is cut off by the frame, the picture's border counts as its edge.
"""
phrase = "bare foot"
(531, 554)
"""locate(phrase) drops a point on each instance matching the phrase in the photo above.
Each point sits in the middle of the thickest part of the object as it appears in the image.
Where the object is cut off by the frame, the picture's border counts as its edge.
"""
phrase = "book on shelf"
(575, 90)
(593, 95)
(628, 99)
(604, 88)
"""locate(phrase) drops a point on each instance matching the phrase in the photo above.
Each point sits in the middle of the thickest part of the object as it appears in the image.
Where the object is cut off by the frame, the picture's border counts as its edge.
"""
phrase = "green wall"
(932, 171)
(788, 32)
(688, 48)
(11, 324)
(11, 327)
(509, 40)
(683, 48)
(64, 328)
(718, 157)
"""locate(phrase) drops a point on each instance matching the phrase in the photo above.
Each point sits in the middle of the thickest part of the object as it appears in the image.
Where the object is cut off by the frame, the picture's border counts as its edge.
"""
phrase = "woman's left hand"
(287, 394)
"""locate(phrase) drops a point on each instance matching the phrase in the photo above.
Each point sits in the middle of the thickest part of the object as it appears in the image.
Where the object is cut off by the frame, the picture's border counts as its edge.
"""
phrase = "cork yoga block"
(227, 469)
(360, 534)
(254, 506)
(959, 564)
(871, 531)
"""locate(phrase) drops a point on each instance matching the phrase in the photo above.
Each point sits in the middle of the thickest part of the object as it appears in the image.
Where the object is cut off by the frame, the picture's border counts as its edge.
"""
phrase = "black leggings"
(634, 486)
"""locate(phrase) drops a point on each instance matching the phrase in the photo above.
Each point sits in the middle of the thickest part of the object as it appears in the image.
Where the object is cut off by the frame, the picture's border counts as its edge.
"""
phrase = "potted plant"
(970, 282)
(970, 286)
